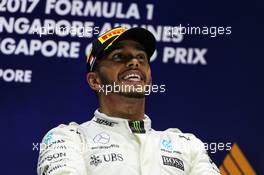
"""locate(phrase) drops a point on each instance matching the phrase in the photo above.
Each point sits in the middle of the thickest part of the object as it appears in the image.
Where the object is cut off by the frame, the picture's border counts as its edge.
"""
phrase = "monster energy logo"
(137, 126)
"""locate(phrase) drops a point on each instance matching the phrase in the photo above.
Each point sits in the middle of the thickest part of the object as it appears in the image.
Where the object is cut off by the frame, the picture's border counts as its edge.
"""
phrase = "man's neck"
(116, 105)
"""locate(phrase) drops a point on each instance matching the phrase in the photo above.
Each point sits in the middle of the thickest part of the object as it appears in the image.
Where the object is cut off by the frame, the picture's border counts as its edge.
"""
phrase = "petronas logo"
(137, 126)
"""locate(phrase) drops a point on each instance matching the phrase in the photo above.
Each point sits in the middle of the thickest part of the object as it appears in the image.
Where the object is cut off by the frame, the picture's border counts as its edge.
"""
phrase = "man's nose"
(133, 63)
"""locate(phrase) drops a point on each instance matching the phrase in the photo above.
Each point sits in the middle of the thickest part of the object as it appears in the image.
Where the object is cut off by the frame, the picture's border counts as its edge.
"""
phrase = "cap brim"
(141, 35)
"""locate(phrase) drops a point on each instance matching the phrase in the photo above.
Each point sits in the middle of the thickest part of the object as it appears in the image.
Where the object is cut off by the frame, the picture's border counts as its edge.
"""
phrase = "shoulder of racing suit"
(201, 163)
(60, 147)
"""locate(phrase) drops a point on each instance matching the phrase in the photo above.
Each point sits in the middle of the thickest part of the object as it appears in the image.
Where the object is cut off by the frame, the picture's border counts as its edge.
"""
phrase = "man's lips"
(132, 75)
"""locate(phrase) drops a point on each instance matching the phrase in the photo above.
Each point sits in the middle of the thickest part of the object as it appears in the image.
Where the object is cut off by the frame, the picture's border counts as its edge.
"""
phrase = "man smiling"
(135, 73)
(119, 139)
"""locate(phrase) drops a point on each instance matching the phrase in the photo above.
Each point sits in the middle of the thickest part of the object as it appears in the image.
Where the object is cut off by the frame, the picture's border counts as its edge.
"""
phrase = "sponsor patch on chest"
(95, 160)
(173, 162)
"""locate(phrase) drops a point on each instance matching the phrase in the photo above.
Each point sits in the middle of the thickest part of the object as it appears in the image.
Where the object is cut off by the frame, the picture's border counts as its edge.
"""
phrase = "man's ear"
(93, 80)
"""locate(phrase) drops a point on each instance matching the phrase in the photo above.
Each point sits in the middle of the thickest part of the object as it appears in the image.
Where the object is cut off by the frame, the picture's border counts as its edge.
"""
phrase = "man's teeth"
(132, 77)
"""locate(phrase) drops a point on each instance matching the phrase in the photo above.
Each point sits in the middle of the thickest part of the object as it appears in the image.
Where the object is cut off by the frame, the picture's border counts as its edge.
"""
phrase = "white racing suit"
(114, 146)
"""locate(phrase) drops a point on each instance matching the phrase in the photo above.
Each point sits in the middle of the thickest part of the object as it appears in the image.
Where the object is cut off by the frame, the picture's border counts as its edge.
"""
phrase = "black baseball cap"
(107, 40)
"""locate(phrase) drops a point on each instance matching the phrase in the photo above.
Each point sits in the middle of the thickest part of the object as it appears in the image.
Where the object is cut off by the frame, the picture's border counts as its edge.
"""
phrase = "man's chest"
(143, 154)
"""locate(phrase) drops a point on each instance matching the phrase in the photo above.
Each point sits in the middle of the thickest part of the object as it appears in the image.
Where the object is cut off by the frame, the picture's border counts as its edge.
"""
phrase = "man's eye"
(117, 57)
(142, 57)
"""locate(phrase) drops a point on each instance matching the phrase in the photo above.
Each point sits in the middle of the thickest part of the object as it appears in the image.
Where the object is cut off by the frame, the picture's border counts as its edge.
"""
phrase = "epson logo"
(105, 122)
(55, 156)
(51, 157)
(174, 162)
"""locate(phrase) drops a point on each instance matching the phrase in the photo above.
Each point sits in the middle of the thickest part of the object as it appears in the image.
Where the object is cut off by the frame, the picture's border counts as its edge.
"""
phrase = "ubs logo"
(107, 158)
